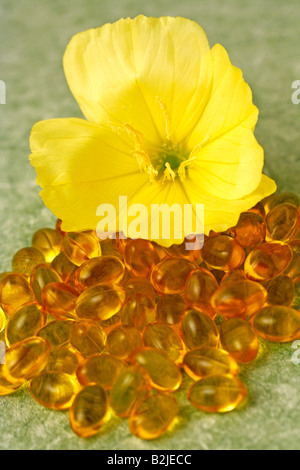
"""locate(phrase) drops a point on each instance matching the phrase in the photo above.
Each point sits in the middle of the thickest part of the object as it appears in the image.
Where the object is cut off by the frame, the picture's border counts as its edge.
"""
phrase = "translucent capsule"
(88, 338)
(26, 359)
(57, 333)
(108, 248)
(54, 390)
(281, 290)
(205, 361)
(170, 275)
(62, 360)
(222, 252)
(14, 292)
(250, 230)
(282, 222)
(6, 387)
(123, 340)
(238, 338)
(163, 337)
(42, 275)
(293, 269)
(119, 242)
(100, 302)
(25, 322)
(142, 286)
(267, 260)
(258, 209)
(59, 300)
(198, 329)
(153, 415)
(49, 242)
(138, 311)
(163, 372)
(81, 246)
(64, 268)
(140, 257)
(88, 411)
(200, 286)
(232, 276)
(238, 298)
(26, 259)
(277, 323)
(101, 270)
(217, 393)
(101, 370)
(2, 319)
(169, 309)
(131, 385)
(284, 197)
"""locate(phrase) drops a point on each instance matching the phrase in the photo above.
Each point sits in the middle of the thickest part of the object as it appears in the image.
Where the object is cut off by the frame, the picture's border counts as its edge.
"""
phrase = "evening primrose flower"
(168, 120)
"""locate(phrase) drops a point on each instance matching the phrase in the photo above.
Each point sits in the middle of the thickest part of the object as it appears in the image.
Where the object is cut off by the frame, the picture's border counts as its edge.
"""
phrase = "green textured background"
(263, 38)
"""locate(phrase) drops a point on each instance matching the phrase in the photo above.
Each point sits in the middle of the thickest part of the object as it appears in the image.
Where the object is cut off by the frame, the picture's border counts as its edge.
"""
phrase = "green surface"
(262, 38)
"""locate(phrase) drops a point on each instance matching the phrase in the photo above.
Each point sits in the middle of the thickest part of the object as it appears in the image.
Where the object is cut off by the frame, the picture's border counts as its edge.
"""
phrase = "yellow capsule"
(205, 361)
(101, 270)
(198, 329)
(141, 286)
(138, 310)
(26, 259)
(2, 319)
(54, 390)
(131, 385)
(153, 415)
(25, 359)
(281, 290)
(14, 292)
(62, 360)
(163, 337)
(25, 322)
(238, 298)
(57, 333)
(267, 260)
(100, 302)
(42, 275)
(81, 246)
(163, 372)
(170, 275)
(140, 257)
(123, 340)
(238, 338)
(169, 309)
(217, 393)
(63, 267)
(282, 222)
(222, 252)
(59, 300)
(100, 369)
(6, 387)
(284, 197)
(49, 242)
(88, 411)
(200, 286)
(250, 230)
(88, 338)
(233, 276)
(277, 323)
(293, 269)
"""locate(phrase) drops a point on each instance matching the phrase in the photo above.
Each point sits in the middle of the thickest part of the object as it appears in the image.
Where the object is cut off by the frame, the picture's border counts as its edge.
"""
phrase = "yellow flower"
(169, 120)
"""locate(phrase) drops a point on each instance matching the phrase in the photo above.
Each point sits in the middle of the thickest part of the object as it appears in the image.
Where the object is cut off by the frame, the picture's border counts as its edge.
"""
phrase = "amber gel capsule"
(25, 322)
(282, 222)
(88, 338)
(141, 286)
(250, 230)
(59, 300)
(123, 340)
(170, 275)
(131, 385)
(239, 298)
(64, 268)
(200, 286)
(198, 329)
(14, 292)
(57, 333)
(284, 197)
(54, 390)
(277, 323)
(101, 370)
(293, 269)
(140, 257)
(169, 309)
(62, 360)
(205, 361)
(101, 270)
(163, 372)
(267, 260)
(42, 275)
(100, 302)
(152, 416)
(137, 311)
(238, 338)
(25, 359)
(232, 276)
(7, 387)
(88, 411)
(217, 393)
(81, 246)
(222, 252)
(26, 259)
(49, 242)
(163, 337)
(281, 290)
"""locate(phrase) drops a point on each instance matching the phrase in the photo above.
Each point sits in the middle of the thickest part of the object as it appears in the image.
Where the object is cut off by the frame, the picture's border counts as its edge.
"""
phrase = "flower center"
(168, 158)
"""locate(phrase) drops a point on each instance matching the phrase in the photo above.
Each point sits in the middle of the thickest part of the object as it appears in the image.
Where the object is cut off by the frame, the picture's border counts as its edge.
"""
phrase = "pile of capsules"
(111, 326)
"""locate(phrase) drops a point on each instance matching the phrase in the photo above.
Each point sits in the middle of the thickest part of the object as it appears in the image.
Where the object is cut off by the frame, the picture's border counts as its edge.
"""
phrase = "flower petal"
(139, 72)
